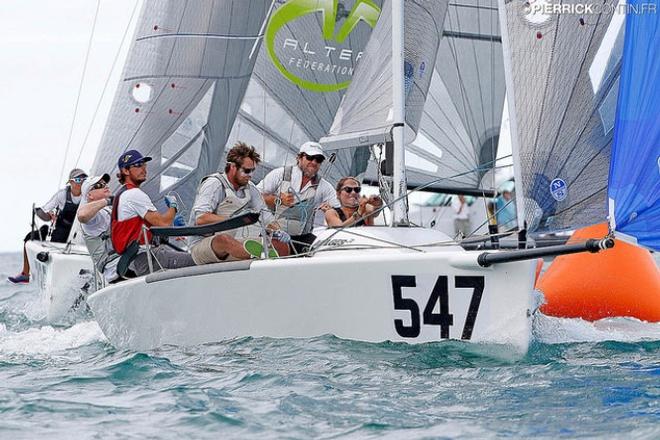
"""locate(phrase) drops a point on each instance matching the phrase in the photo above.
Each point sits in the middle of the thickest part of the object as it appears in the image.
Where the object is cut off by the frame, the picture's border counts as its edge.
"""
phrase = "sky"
(42, 51)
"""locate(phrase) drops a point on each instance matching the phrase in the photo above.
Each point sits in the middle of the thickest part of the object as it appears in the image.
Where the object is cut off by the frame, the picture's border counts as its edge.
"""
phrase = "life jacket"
(297, 219)
(99, 246)
(65, 219)
(123, 232)
(233, 205)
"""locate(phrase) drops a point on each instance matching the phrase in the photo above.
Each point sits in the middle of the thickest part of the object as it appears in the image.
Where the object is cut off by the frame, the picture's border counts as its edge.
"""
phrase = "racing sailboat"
(397, 283)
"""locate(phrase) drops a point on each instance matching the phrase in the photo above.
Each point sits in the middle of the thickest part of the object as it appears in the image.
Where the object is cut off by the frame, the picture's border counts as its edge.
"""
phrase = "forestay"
(634, 185)
(185, 76)
(562, 82)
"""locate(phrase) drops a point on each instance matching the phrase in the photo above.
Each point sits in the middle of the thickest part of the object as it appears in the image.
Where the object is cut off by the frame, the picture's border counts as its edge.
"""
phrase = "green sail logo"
(365, 10)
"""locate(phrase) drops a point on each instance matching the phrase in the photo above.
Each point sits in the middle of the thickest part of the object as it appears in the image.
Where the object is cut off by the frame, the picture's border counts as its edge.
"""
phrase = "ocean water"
(579, 379)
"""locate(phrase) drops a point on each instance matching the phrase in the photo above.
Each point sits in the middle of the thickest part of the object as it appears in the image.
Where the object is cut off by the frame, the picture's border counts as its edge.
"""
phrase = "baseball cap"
(77, 172)
(131, 157)
(91, 181)
(312, 149)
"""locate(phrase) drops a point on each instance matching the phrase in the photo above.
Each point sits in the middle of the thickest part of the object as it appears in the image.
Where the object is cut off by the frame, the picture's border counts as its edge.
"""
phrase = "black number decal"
(401, 303)
(477, 283)
(444, 319)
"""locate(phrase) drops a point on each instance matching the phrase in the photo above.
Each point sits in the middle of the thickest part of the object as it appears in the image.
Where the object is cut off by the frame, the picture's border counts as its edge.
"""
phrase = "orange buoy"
(622, 281)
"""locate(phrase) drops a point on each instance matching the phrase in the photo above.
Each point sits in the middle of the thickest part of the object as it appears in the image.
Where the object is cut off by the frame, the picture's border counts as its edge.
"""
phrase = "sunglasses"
(318, 158)
(138, 165)
(99, 185)
(350, 189)
(79, 179)
(246, 171)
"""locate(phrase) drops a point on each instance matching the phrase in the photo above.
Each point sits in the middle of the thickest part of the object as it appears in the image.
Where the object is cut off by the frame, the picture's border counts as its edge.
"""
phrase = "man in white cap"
(94, 215)
(60, 209)
(296, 192)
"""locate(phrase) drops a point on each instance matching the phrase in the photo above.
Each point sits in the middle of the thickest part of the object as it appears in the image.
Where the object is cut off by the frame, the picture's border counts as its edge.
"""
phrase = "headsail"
(365, 116)
(184, 79)
(634, 183)
(562, 81)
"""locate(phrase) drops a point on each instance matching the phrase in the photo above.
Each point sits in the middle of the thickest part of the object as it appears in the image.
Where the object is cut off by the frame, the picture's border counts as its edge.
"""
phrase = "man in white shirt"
(296, 192)
(221, 196)
(60, 209)
(461, 216)
(132, 210)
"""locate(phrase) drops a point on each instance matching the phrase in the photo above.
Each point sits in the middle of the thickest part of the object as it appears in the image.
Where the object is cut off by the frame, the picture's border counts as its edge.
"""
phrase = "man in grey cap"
(60, 209)
(296, 192)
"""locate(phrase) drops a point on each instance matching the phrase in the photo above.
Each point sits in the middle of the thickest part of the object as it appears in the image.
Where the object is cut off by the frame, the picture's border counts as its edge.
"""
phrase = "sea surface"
(579, 380)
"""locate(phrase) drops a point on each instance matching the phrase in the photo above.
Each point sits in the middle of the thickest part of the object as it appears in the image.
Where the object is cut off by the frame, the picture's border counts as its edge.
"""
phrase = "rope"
(105, 86)
(80, 86)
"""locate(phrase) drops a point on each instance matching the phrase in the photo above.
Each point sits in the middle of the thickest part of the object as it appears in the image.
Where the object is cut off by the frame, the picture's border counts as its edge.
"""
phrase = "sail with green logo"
(306, 62)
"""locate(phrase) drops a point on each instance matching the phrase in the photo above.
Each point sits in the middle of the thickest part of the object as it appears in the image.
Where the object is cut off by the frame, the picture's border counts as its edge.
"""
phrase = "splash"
(551, 330)
(48, 340)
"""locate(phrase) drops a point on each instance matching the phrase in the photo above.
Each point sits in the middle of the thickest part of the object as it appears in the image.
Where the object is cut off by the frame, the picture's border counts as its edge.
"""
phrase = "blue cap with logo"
(131, 157)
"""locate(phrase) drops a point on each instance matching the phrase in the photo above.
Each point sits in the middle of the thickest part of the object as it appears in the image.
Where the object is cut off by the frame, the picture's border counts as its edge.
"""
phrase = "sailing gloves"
(171, 202)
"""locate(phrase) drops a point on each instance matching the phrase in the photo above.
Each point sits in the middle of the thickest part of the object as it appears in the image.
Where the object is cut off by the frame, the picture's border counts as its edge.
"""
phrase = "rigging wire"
(80, 86)
(107, 82)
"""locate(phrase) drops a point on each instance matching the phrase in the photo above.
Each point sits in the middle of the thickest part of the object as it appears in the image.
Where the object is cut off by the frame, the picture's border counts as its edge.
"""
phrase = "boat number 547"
(439, 294)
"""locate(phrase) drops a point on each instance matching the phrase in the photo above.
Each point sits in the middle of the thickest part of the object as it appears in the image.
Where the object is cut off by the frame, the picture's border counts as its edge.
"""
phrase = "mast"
(399, 211)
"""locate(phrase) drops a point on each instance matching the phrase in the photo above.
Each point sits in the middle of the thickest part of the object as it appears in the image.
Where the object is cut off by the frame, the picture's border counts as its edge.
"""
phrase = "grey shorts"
(163, 258)
(202, 252)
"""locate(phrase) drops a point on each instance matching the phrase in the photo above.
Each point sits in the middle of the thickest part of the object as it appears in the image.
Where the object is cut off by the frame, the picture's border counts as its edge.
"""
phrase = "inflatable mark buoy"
(622, 281)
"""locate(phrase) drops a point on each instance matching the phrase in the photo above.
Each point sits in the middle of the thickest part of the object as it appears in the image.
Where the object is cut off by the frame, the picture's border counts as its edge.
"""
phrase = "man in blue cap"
(132, 210)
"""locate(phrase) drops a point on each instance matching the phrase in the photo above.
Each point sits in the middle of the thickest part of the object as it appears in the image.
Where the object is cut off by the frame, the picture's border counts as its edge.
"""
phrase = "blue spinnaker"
(634, 182)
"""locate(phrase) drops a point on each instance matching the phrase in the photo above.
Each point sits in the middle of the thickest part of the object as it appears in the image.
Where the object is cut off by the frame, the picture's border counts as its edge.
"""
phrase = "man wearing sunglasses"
(224, 195)
(132, 209)
(60, 209)
(94, 217)
(296, 192)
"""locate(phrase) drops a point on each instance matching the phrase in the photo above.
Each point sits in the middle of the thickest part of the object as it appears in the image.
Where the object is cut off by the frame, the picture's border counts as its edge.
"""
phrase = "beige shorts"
(202, 252)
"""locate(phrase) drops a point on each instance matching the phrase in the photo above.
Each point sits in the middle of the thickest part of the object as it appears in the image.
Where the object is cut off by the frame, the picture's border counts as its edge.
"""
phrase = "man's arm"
(158, 219)
(87, 211)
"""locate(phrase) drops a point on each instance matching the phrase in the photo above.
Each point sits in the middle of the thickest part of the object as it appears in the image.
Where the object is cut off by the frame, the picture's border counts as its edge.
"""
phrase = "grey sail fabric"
(365, 116)
(563, 74)
(281, 112)
(184, 79)
(459, 131)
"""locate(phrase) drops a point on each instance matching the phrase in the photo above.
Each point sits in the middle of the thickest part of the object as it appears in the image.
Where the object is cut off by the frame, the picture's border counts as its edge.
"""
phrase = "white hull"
(347, 293)
(59, 277)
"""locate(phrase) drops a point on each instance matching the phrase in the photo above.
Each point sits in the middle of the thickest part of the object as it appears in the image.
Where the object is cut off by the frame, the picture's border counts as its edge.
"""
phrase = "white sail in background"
(459, 131)
(185, 76)
(562, 78)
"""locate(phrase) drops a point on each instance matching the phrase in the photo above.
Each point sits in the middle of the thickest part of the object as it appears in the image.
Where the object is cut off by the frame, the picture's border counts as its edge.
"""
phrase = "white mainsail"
(185, 76)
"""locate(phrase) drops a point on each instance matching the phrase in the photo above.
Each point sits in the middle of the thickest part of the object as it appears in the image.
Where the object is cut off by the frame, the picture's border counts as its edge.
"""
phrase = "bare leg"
(26, 263)
(224, 244)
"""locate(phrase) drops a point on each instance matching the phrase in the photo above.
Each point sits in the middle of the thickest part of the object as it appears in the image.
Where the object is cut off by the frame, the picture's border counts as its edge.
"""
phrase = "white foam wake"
(552, 330)
(47, 340)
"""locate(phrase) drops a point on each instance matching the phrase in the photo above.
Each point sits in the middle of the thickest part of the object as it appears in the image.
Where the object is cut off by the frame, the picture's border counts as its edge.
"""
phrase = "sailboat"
(397, 283)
